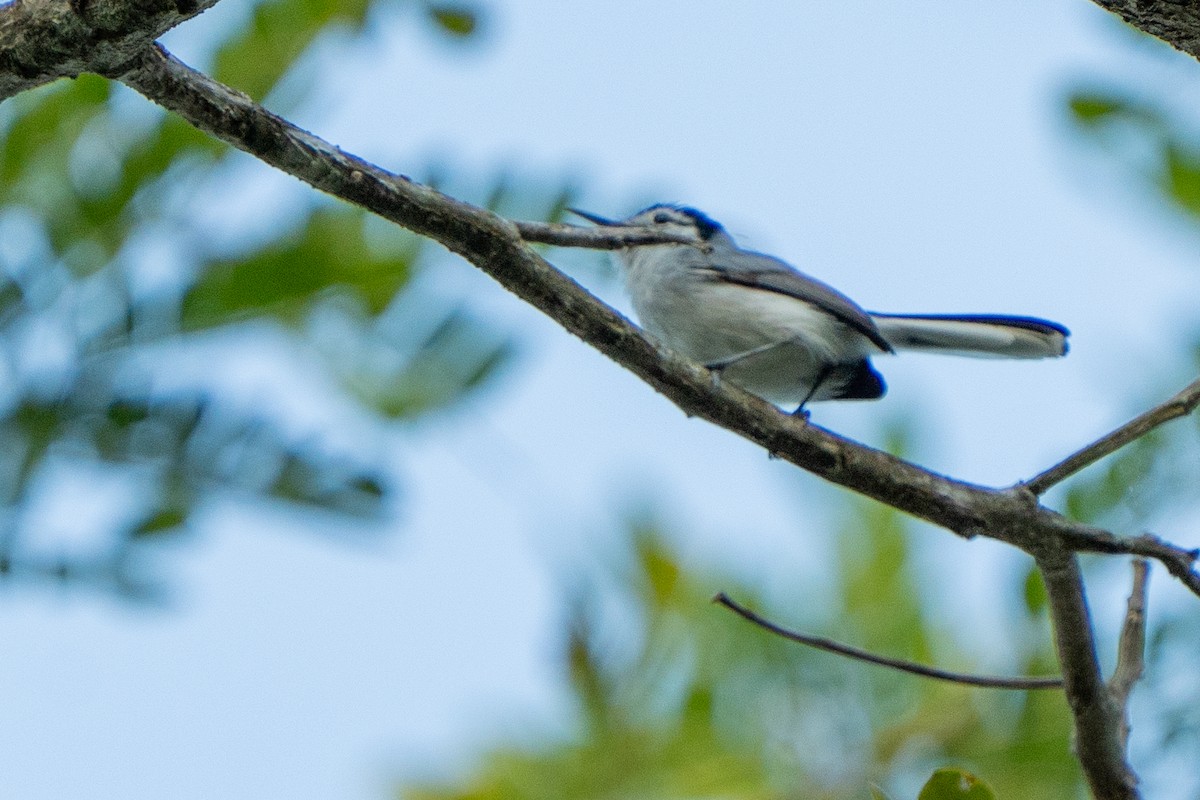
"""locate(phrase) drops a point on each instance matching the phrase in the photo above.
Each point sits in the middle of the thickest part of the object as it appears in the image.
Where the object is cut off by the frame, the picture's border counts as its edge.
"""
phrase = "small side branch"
(1179, 561)
(830, 646)
(1131, 651)
(1178, 406)
(610, 237)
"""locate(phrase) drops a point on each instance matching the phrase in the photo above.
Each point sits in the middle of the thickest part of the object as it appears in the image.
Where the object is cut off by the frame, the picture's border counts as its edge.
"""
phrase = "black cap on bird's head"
(663, 214)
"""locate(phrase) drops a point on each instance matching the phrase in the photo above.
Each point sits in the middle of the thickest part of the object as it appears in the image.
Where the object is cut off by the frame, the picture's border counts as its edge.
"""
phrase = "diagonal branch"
(496, 246)
(830, 646)
(1180, 405)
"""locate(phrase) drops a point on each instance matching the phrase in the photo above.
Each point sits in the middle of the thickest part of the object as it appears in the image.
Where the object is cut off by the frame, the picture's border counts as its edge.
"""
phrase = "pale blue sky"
(914, 155)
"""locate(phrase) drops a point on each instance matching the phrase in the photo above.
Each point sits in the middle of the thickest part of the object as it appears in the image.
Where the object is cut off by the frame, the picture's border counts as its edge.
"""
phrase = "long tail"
(976, 335)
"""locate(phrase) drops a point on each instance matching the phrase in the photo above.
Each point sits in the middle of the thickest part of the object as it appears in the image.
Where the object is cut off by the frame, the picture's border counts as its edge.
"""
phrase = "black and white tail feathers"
(975, 335)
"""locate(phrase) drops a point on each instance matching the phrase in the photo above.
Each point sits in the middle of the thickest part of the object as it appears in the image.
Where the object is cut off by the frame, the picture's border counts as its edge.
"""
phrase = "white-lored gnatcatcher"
(791, 339)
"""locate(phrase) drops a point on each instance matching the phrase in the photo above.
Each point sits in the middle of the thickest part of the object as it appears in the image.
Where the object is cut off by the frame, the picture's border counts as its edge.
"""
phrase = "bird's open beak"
(595, 218)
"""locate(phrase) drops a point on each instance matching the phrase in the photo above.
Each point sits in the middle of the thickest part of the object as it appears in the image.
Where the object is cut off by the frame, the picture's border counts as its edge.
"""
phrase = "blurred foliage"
(455, 19)
(677, 698)
(94, 184)
(1158, 145)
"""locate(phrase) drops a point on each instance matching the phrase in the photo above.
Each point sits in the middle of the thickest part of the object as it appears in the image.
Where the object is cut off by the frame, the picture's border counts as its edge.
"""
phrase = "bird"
(781, 334)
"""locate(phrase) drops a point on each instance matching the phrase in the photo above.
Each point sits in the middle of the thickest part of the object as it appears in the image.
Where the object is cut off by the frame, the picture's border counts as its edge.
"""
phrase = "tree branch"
(1180, 405)
(830, 646)
(1176, 23)
(610, 237)
(1180, 562)
(496, 246)
(42, 40)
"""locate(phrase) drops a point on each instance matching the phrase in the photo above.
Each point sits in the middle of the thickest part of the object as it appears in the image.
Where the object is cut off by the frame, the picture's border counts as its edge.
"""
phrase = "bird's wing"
(769, 274)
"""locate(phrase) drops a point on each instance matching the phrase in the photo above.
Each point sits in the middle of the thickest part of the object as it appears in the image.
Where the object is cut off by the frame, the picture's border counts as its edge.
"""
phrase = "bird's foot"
(715, 371)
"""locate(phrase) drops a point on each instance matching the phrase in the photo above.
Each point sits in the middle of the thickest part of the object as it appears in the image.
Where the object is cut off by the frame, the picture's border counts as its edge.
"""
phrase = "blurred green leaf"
(457, 357)
(282, 280)
(954, 784)
(1035, 592)
(1182, 176)
(162, 521)
(877, 793)
(1114, 484)
(278, 33)
(661, 570)
(1159, 148)
(1094, 108)
(457, 20)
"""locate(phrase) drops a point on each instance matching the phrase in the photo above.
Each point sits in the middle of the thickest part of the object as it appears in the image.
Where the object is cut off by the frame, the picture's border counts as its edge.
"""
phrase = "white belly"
(710, 322)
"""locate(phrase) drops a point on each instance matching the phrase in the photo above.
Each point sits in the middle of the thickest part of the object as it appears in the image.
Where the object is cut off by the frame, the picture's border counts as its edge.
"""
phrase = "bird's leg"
(719, 366)
(825, 372)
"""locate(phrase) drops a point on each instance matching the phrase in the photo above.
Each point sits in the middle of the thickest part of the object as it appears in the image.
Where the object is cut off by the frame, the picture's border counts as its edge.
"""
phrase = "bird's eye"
(661, 218)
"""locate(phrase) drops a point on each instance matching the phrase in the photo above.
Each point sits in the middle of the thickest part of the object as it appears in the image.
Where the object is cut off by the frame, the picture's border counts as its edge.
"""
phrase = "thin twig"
(609, 237)
(1178, 406)
(1131, 651)
(828, 645)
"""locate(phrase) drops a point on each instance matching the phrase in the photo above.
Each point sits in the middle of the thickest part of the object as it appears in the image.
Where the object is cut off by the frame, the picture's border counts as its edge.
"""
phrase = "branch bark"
(1176, 23)
(610, 237)
(43, 40)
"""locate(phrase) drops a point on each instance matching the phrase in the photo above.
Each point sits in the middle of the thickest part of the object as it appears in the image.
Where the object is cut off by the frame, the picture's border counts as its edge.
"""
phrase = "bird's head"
(670, 218)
